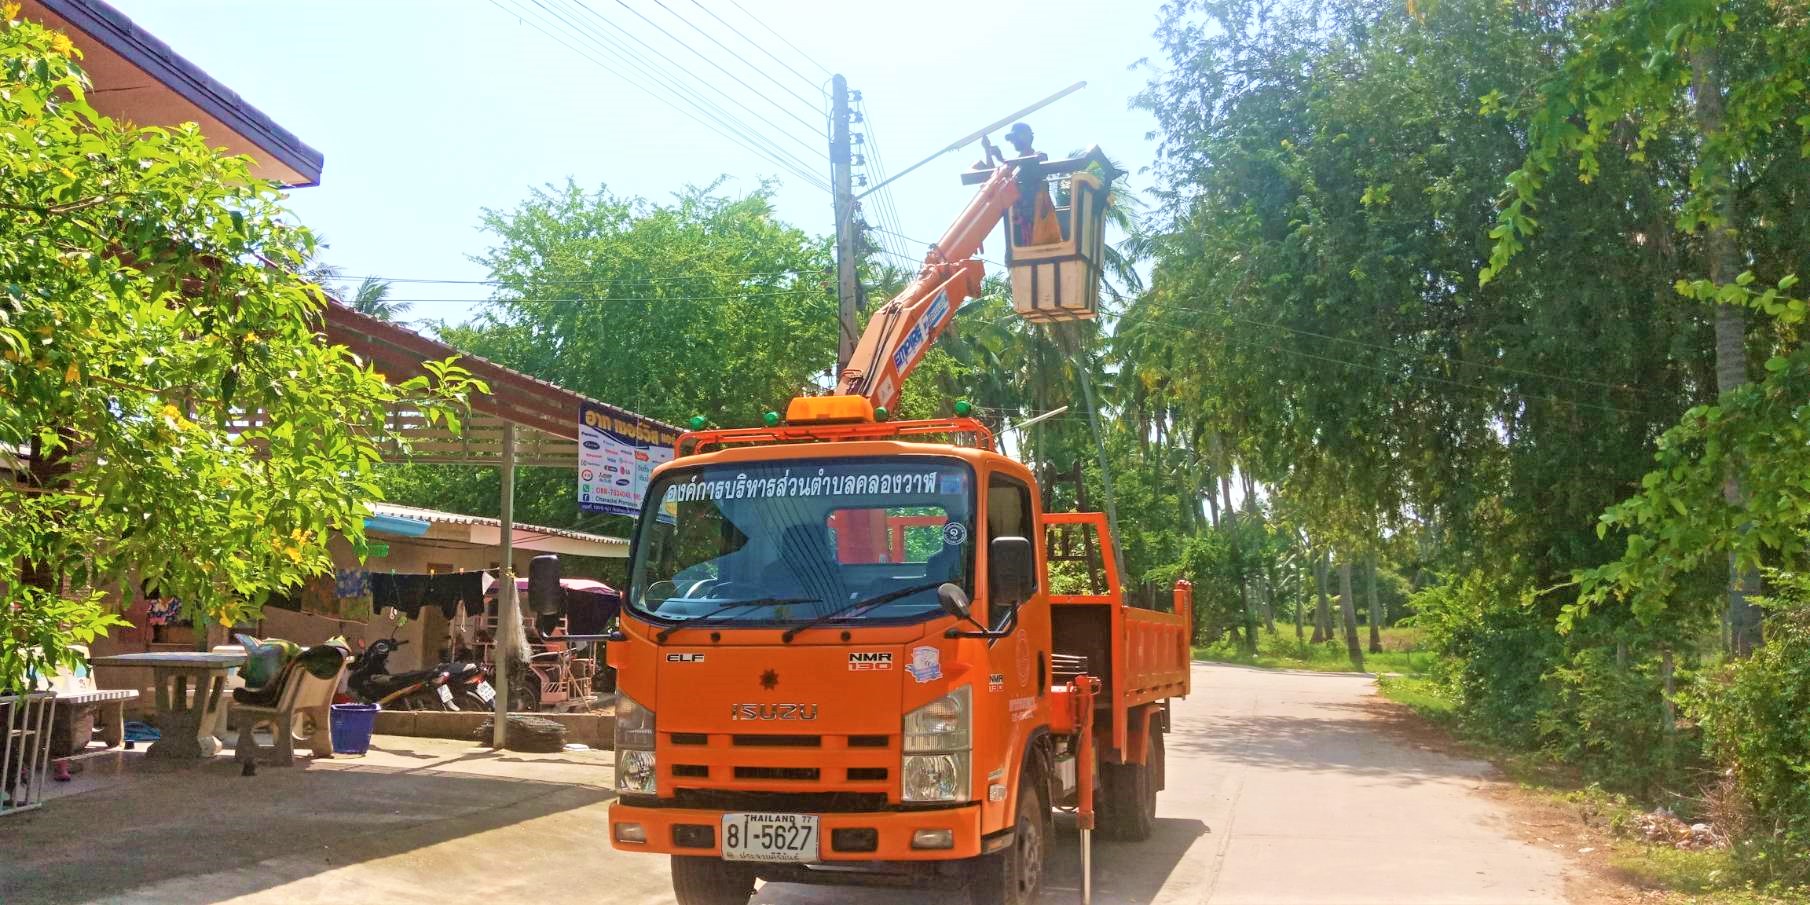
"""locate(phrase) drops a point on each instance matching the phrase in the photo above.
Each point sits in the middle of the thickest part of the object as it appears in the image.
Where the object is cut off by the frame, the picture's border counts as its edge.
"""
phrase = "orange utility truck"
(844, 656)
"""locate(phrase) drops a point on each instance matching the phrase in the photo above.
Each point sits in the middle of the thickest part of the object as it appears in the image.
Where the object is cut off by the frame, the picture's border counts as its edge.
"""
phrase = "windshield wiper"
(712, 617)
(862, 604)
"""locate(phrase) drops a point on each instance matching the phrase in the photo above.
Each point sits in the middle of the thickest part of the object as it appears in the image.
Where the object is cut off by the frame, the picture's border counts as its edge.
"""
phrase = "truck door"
(1018, 679)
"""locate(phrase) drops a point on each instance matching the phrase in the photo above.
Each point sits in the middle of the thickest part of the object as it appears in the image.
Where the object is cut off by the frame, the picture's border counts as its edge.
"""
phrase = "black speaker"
(545, 596)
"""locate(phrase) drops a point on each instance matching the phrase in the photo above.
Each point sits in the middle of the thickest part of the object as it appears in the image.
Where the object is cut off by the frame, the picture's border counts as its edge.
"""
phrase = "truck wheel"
(710, 881)
(1015, 876)
(1126, 798)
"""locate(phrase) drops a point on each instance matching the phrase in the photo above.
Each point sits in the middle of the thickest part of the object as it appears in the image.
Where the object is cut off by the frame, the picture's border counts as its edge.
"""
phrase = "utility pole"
(842, 180)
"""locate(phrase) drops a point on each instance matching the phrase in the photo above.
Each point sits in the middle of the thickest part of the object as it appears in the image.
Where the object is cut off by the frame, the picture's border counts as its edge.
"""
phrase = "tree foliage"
(147, 301)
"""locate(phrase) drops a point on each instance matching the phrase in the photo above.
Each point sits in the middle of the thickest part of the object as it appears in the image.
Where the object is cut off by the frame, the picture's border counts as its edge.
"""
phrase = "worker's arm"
(902, 329)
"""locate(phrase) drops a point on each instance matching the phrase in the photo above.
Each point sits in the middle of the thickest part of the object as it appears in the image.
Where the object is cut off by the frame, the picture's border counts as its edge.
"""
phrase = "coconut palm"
(373, 298)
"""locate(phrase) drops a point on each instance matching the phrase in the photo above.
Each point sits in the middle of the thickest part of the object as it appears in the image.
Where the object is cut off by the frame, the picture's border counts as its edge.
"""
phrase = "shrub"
(1494, 646)
(1755, 715)
(1608, 719)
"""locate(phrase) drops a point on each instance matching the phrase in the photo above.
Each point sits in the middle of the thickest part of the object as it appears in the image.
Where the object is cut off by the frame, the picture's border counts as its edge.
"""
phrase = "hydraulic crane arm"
(902, 329)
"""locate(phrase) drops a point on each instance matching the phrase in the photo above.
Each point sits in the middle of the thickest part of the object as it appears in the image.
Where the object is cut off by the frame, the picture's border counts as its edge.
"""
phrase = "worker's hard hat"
(1019, 129)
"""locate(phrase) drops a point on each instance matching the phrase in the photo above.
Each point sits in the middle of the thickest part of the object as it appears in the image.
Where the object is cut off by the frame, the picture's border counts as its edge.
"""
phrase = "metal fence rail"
(24, 750)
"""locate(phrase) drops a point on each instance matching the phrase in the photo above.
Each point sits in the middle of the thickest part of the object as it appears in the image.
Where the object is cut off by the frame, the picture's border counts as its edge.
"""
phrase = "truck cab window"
(1009, 514)
(785, 543)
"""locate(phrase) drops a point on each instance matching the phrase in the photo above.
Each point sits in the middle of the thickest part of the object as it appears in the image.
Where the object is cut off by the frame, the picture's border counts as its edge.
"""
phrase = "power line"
(610, 299)
(678, 72)
(761, 47)
(756, 20)
(1425, 378)
(808, 103)
(703, 116)
(651, 281)
(706, 58)
(713, 116)
(883, 201)
(929, 245)
(1430, 356)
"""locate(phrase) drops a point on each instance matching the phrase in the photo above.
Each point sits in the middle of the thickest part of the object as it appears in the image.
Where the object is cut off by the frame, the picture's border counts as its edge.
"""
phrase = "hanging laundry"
(404, 593)
(588, 612)
(164, 611)
(351, 583)
(318, 597)
(450, 590)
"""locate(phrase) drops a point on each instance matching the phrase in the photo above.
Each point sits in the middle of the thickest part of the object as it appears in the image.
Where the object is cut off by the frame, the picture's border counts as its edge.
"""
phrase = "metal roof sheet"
(435, 516)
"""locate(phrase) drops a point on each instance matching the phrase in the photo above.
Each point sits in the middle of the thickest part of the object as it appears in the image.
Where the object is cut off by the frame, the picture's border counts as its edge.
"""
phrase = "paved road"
(1283, 789)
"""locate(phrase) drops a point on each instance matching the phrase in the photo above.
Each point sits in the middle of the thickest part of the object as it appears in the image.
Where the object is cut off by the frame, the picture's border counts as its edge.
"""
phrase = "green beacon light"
(770, 419)
(880, 413)
(963, 408)
(697, 422)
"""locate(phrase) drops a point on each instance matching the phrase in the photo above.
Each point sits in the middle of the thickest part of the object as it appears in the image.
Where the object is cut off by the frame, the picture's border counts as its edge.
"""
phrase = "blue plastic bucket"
(352, 727)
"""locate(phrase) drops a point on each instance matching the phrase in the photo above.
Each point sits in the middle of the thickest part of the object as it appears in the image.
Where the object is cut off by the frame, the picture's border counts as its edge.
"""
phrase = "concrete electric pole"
(842, 180)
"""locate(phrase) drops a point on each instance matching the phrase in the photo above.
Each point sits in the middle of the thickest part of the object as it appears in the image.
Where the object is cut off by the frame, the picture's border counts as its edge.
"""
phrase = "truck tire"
(1014, 876)
(1126, 798)
(710, 881)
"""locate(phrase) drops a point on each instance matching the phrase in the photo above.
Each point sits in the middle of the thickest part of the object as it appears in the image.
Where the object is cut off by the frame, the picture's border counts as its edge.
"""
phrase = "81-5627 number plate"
(769, 837)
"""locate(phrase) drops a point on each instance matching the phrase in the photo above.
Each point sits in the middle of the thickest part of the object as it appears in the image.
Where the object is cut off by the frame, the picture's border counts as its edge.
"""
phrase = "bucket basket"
(352, 727)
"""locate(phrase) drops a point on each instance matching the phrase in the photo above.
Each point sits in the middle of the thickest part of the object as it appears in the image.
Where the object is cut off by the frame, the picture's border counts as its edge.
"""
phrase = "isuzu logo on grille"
(772, 711)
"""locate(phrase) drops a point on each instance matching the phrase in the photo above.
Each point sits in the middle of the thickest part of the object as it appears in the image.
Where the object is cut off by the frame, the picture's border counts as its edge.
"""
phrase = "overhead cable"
(813, 106)
(756, 20)
(702, 116)
(708, 59)
(678, 73)
(761, 47)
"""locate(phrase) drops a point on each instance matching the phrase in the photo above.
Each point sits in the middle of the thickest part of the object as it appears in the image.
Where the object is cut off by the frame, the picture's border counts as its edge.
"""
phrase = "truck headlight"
(635, 772)
(936, 746)
(634, 747)
(941, 725)
(935, 777)
(634, 724)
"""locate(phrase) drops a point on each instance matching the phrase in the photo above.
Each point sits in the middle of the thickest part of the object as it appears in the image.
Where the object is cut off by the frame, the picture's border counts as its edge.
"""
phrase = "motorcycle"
(446, 686)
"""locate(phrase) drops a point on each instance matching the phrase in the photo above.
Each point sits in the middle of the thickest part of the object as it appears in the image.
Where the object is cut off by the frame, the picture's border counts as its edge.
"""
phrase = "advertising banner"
(616, 455)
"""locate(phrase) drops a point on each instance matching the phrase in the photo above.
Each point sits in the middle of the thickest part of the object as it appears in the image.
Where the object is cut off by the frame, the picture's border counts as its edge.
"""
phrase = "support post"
(508, 613)
(842, 180)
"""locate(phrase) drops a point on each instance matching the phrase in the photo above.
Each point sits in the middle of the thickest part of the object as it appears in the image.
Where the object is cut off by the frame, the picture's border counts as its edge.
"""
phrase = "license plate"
(486, 692)
(769, 837)
(444, 692)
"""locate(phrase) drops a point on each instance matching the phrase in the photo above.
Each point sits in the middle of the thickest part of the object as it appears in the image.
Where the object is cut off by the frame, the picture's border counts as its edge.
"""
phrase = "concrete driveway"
(1282, 789)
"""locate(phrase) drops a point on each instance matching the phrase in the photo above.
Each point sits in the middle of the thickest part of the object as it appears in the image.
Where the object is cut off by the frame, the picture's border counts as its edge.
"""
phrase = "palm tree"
(373, 298)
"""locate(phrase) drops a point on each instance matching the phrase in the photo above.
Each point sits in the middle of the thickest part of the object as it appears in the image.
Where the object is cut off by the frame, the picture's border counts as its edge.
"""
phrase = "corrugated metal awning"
(457, 527)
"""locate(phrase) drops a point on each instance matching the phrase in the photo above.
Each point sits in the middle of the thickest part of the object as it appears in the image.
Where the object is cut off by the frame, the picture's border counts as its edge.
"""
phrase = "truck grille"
(785, 774)
(755, 762)
(777, 741)
(798, 802)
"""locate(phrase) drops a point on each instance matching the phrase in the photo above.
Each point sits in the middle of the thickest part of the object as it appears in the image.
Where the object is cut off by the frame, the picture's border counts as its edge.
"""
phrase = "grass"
(1401, 652)
(1707, 876)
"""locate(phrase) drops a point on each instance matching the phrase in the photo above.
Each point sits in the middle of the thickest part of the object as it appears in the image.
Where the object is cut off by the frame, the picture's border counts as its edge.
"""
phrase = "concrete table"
(187, 726)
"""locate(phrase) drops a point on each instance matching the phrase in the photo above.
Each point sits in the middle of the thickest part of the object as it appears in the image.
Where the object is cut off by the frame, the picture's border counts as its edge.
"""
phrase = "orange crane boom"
(901, 330)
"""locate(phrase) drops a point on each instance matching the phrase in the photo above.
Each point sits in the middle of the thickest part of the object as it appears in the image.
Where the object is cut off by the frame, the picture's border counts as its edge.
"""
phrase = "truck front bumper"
(889, 833)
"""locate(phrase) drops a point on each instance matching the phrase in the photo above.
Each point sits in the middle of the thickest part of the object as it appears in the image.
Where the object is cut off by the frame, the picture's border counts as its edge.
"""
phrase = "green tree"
(1725, 83)
(705, 304)
(139, 322)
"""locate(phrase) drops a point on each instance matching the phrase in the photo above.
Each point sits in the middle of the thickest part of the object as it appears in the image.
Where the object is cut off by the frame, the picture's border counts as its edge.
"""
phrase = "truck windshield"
(792, 541)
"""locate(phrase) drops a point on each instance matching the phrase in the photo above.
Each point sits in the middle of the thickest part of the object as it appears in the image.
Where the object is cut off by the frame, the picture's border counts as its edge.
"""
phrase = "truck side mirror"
(954, 600)
(1010, 564)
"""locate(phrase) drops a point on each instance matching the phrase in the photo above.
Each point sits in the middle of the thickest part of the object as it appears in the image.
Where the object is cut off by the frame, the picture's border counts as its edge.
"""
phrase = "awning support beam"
(509, 617)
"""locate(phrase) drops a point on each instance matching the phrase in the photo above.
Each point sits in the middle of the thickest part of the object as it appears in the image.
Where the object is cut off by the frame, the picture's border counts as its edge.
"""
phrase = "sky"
(430, 111)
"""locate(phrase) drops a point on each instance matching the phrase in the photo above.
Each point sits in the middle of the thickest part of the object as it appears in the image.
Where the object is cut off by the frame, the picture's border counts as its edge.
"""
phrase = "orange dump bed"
(1142, 656)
